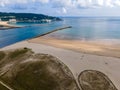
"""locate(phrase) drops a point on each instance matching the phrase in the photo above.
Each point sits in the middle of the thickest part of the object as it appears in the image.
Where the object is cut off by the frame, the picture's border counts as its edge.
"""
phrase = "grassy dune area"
(22, 69)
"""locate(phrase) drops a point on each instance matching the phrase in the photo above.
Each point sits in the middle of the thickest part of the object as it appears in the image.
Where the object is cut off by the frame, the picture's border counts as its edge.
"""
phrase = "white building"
(46, 20)
(12, 21)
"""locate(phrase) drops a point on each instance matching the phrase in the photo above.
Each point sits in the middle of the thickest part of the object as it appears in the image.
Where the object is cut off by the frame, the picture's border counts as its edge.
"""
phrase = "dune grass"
(95, 80)
(2, 55)
(26, 70)
(33, 77)
(3, 88)
(18, 52)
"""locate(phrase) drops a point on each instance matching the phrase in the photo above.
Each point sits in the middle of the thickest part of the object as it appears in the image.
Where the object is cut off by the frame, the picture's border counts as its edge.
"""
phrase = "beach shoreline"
(88, 47)
(78, 46)
(77, 55)
(76, 61)
(5, 25)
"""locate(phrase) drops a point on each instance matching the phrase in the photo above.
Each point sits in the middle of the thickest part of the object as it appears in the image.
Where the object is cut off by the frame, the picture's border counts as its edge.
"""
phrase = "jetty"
(62, 28)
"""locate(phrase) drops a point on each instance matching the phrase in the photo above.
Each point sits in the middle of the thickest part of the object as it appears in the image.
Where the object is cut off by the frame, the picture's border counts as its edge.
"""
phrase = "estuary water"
(82, 29)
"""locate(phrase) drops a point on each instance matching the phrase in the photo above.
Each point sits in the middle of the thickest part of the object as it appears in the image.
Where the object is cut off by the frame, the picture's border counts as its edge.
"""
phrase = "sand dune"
(78, 61)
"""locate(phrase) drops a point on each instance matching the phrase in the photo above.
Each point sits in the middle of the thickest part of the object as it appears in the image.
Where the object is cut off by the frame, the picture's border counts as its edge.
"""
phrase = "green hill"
(26, 17)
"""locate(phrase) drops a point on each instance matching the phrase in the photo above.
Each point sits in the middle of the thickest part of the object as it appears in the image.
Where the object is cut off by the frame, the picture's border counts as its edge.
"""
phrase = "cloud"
(117, 3)
(2, 4)
(84, 4)
(101, 2)
(41, 1)
(18, 7)
(64, 10)
(62, 5)
(109, 3)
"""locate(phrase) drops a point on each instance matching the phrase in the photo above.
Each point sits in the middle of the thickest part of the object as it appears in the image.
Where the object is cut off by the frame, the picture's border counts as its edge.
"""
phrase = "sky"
(63, 7)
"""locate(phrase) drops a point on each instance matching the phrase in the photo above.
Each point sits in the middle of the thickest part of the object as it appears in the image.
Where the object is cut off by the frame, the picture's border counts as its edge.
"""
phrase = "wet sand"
(89, 47)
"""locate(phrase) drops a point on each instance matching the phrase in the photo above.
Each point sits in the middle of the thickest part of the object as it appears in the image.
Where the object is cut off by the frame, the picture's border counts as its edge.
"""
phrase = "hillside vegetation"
(26, 17)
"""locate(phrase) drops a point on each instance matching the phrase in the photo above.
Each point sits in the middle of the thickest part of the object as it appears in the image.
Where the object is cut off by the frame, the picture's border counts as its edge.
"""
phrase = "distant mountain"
(27, 17)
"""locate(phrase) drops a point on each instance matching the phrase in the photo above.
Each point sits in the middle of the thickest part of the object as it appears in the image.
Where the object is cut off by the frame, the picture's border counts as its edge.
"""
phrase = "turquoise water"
(11, 36)
(91, 29)
(82, 29)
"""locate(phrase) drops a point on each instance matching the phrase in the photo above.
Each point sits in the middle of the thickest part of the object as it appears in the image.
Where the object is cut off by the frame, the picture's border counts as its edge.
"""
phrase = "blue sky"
(63, 7)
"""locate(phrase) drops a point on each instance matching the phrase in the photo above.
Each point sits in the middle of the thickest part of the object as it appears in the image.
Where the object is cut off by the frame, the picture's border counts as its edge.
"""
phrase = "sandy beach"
(78, 55)
(76, 61)
(3, 23)
(6, 25)
(89, 47)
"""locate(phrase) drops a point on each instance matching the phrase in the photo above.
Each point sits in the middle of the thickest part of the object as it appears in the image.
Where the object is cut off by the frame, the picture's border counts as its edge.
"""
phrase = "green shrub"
(34, 76)
(18, 52)
(2, 87)
(2, 55)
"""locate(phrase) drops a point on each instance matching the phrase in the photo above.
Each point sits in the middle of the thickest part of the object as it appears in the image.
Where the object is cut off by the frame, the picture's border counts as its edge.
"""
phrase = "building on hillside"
(12, 21)
(46, 20)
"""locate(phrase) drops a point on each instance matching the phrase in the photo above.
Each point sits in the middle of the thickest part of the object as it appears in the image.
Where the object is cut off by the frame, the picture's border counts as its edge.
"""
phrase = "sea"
(83, 28)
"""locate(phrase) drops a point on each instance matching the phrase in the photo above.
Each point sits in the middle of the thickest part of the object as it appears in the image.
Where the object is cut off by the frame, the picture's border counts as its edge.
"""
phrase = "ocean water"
(82, 29)
(91, 28)
(11, 36)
